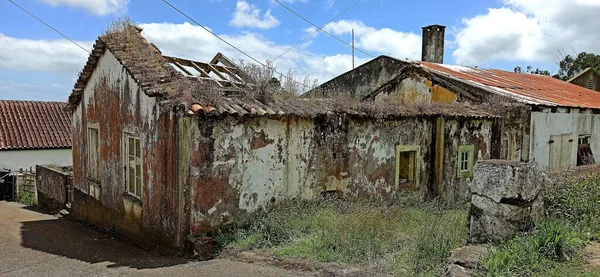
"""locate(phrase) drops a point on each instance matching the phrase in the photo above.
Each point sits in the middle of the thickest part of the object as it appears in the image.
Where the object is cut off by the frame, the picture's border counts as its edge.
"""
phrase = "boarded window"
(133, 166)
(465, 160)
(407, 166)
(93, 154)
(560, 152)
(584, 151)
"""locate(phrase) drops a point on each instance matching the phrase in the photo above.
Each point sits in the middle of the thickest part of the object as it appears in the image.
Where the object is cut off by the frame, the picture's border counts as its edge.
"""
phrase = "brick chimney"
(433, 44)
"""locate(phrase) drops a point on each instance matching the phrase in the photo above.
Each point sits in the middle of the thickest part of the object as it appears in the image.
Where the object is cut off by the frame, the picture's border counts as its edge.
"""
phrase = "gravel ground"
(36, 244)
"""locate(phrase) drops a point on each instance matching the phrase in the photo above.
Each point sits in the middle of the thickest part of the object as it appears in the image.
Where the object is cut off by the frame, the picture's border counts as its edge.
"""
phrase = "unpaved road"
(36, 244)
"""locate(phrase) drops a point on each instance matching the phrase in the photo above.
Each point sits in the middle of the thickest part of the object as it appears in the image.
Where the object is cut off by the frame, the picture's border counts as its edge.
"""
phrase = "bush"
(27, 198)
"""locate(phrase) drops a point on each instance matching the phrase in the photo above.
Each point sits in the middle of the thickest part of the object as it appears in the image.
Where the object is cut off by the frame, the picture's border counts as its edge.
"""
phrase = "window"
(93, 153)
(584, 139)
(407, 166)
(585, 156)
(465, 160)
(133, 166)
(506, 148)
(590, 84)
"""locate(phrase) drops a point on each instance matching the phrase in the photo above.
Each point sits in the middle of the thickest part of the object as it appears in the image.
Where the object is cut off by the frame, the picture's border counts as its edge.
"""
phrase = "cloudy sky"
(38, 64)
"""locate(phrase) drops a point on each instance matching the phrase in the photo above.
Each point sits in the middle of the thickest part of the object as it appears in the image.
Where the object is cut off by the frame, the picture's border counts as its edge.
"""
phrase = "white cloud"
(372, 40)
(529, 30)
(248, 15)
(98, 7)
(61, 56)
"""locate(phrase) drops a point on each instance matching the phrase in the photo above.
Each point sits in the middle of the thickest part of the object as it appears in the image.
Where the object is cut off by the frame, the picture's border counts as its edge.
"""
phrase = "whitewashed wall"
(546, 124)
(16, 159)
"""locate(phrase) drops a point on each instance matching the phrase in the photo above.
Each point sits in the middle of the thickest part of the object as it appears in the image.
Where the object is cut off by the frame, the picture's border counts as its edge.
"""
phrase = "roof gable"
(34, 125)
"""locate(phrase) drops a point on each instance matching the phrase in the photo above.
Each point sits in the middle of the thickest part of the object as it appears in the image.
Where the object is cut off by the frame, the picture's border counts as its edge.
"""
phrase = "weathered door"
(560, 152)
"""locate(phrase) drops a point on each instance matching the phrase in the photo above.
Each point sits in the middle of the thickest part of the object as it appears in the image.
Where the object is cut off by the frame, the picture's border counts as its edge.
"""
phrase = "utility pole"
(352, 48)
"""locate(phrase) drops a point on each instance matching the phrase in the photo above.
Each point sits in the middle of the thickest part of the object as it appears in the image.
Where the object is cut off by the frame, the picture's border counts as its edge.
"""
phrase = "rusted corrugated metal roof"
(34, 125)
(527, 88)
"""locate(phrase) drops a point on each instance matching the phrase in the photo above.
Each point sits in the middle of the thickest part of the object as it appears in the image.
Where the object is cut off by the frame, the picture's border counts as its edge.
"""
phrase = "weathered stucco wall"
(114, 103)
(458, 132)
(569, 125)
(361, 81)
(53, 187)
(372, 159)
(242, 165)
(26, 159)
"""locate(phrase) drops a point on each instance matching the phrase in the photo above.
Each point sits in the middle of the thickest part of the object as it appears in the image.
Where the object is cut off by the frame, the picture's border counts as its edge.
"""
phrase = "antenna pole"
(352, 48)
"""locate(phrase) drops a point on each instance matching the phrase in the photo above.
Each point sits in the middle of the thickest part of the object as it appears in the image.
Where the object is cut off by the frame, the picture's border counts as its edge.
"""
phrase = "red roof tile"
(528, 88)
(34, 125)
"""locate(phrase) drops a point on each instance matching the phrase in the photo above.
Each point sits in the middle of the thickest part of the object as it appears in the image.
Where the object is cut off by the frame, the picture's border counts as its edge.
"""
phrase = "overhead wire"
(317, 30)
(231, 45)
(321, 29)
(49, 26)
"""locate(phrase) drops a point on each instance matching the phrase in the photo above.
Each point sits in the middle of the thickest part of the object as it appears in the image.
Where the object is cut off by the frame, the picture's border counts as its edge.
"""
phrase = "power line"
(317, 30)
(48, 25)
(231, 45)
(321, 29)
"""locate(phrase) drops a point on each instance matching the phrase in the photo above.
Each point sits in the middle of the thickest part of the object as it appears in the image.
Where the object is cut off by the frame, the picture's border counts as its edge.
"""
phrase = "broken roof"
(34, 125)
(219, 87)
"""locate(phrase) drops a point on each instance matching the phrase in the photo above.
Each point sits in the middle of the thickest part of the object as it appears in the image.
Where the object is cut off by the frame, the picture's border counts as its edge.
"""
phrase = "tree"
(570, 66)
(530, 70)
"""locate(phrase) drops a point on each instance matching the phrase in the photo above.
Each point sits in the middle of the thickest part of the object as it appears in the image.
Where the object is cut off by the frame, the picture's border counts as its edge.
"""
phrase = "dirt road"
(36, 244)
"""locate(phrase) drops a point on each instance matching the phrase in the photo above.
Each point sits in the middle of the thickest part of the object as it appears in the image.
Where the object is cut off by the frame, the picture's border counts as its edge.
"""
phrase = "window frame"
(133, 134)
(417, 167)
(467, 151)
(89, 162)
(586, 137)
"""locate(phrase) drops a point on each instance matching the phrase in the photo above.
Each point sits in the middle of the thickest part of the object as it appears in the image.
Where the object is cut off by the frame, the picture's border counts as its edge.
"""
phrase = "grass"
(408, 241)
(553, 248)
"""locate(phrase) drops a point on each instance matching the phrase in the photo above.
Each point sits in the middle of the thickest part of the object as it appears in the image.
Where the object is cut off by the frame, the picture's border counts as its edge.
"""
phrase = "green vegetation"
(553, 249)
(410, 240)
(27, 198)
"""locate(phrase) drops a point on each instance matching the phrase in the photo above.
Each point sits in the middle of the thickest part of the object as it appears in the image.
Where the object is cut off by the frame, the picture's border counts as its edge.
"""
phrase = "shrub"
(27, 198)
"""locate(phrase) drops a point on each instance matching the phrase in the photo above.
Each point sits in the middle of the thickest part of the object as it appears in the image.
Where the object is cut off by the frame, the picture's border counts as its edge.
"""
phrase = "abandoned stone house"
(587, 78)
(166, 149)
(553, 123)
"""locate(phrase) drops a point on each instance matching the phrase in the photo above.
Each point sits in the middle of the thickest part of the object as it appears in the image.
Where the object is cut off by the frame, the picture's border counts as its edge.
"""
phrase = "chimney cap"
(434, 25)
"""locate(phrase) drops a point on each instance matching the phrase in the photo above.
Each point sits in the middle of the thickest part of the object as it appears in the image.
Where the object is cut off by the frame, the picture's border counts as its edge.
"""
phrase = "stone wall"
(53, 187)
(506, 198)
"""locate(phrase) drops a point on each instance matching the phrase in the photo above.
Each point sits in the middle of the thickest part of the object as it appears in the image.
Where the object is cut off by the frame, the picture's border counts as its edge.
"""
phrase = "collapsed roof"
(176, 81)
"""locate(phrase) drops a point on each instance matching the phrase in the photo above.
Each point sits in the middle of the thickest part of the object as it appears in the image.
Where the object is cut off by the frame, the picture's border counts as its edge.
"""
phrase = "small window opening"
(584, 151)
(465, 160)
(133, 166)
(407, 166)
(590, 84)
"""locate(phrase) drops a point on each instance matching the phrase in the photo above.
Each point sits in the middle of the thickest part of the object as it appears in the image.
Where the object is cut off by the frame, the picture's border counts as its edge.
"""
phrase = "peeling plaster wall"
(361, 81)
(457, 133)
(545, 124)
(114, 103)
(409, 91)
(240, 166)
(372, 158)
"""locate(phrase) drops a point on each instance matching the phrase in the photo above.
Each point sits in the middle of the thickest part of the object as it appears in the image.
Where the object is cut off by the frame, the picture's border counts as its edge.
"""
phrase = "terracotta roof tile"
(34, 125)
(527, 88)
